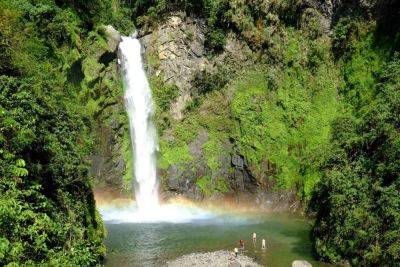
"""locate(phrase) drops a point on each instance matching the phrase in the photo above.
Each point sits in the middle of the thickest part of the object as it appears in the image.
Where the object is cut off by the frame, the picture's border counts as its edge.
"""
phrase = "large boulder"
(112, 36)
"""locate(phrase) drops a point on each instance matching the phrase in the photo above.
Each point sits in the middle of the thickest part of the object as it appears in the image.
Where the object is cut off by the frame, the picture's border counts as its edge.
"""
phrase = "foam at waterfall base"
(167, 213)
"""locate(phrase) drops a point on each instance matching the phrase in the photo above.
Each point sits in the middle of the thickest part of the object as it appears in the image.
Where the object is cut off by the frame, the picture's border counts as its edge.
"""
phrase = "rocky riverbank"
(221, 258)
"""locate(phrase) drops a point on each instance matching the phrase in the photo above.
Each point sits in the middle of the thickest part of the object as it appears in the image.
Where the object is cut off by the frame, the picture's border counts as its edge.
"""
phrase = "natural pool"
(153, 244)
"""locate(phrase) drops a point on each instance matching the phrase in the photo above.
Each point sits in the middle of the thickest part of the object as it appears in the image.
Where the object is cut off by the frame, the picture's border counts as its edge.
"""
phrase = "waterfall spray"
(139, 106)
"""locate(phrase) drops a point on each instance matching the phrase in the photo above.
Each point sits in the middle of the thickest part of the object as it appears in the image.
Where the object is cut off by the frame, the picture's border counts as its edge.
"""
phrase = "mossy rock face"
(259, 107)
(102, 86)
(209, 186)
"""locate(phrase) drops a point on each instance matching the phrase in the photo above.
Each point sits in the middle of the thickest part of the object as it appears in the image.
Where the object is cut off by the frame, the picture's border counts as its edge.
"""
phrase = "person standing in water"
(263, 244)
(236, 252)
(254, 239)
(241, 245)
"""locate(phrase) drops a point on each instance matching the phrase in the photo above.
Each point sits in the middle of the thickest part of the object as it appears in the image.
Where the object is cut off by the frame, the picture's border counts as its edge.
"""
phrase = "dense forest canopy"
(315, 112)
(47, 209)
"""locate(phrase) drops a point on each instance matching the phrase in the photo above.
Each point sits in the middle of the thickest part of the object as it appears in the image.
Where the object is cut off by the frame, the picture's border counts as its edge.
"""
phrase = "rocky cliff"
(206, 164)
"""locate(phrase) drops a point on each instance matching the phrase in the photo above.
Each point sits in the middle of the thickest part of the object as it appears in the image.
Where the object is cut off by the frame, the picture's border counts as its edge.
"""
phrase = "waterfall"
(139, 106)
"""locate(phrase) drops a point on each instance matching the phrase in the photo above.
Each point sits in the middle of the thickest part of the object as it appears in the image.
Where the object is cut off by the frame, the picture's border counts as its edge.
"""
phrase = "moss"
(189, 34)
(163, 93)
(212, 150)
(171, 155)
(208, 186)
(152, 57)
(186, 131)
(153, 60)
(91, 69)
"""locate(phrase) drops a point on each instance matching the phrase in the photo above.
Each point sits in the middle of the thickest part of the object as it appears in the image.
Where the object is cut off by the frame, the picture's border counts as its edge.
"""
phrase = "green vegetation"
(210, 186)
(288, 126)
(47, 210)
(163, 95)
(55, 81)
(276, 114)
(212, 149)
(314, 114)
(174, 155)
(357, 201)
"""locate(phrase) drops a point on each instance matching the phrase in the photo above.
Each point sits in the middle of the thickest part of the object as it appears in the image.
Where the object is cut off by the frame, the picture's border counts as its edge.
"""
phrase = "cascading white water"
(139, 105)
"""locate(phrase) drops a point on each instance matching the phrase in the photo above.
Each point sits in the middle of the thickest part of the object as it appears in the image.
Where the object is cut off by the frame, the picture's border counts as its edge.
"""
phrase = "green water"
(287, 240)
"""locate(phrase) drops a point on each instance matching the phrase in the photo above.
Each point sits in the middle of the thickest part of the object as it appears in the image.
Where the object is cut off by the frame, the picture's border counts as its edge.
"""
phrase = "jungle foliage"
(49, 97)
(357, 203)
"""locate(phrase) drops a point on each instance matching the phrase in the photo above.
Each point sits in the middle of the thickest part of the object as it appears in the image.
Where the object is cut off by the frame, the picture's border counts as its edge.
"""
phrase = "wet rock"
(195, 147)
(242, 178)
(220, 258)
(238, 162)
(301, 263)
(180, 179)
(277, 201)
(216, 198)
(174, 177)
(113, 37)
(197, 49)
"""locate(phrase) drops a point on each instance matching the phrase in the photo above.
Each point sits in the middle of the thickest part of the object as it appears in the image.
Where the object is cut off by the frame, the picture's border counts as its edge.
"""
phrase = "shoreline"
(219, 258)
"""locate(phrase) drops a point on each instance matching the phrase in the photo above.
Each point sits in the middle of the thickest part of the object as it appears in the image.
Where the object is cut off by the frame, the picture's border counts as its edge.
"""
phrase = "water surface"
(153, 244)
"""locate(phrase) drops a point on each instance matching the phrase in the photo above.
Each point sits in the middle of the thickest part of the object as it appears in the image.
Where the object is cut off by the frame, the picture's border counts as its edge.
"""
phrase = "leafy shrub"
(164, 94)
(216, 39)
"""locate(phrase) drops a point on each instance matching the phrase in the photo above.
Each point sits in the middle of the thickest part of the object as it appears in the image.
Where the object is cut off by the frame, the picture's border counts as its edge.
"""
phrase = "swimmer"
(254, 239)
